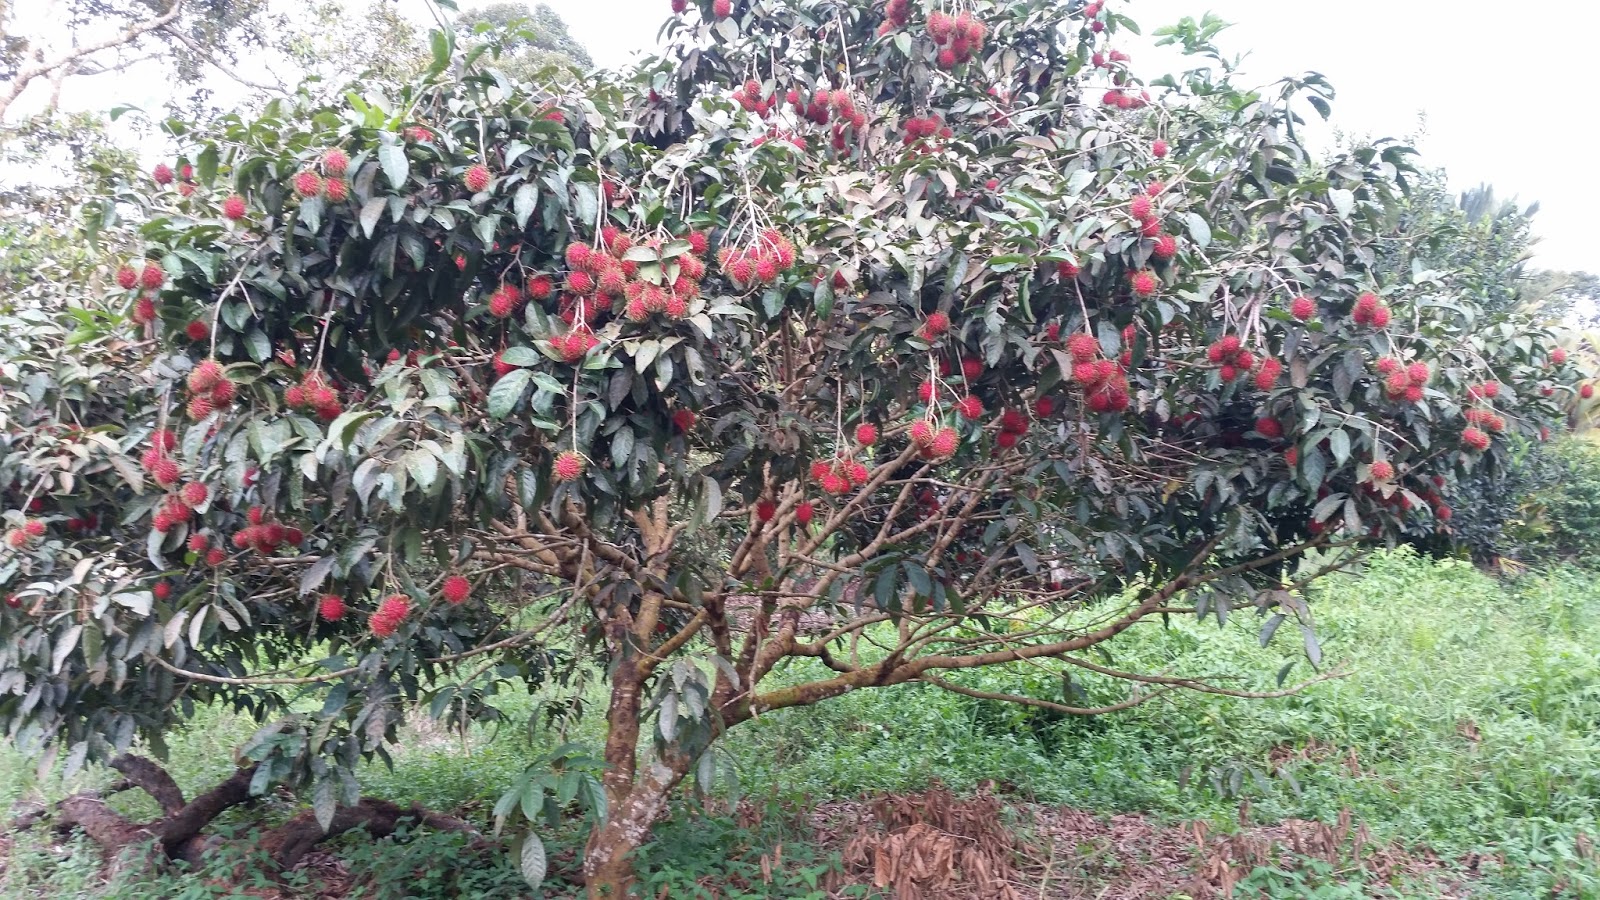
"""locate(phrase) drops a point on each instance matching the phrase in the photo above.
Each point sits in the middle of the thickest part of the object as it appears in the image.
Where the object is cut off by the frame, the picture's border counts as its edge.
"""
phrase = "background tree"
(905, 342)
(47, 43)
(528, 39)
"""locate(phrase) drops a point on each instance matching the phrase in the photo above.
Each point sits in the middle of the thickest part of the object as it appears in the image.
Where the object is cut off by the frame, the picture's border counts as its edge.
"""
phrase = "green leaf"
(441, 42)
(507, 391)
(524, 202)
(1198, 229)
(371, 211)
(1343, 201)
(520, 355)
(1339, 446)
(392, 157)
(532, 859)
(424, 468)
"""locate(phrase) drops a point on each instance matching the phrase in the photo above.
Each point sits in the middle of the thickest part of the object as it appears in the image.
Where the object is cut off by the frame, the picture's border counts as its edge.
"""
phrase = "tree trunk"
(608, 862)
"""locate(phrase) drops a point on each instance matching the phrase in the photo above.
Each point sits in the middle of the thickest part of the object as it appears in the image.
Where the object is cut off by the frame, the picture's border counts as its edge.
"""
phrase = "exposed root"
(180, 831)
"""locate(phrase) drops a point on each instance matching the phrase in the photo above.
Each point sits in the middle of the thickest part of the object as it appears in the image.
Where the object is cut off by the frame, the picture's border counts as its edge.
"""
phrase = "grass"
(1467, 726)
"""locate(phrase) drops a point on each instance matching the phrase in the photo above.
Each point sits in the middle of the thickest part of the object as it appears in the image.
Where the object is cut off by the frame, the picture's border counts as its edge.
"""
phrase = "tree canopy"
(892, 338)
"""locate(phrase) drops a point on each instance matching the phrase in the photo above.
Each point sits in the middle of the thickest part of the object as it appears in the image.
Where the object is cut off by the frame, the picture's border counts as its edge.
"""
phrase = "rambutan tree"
(889, 337)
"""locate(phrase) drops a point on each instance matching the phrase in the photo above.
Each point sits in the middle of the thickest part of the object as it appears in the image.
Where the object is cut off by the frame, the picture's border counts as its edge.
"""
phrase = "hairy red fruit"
(195, 494)
(1475, 438)
(1044, 407)
(970, 408)
(206, 376)
(1586, 391)
(1228, 373)
(162, 590)
(335, 162)
(165, 472)
(233, 208)
(683, 419)
(866, 434)
(501, 367)
(1380, 317)
(1419, 373)
(1382, 471)
(1013, 421)
(568, 466)
(1083, 347)
(1268, 375)
(197, 330)
(198, 543)
(1302, 308)
(922, 433)
(153, 277)
(476, 178)
(1158, 149)
(722, 9)
(216, 556)
(455, 590)
(1144, 283)
(337, 190)
(1292, 456)
(1066, 268)
(330, 607)
(162, 174)
(765, 510)
(944, 443)
(391, 613)
(1166, 247)
(804, 512)
(1558, 356)
(1269, 427)
(935, 325)
(1139, 207)
(307, 184)
(127, 278)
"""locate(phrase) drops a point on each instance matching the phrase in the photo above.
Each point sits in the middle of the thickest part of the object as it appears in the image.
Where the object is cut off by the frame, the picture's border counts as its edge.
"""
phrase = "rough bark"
(180, 831)
(290, 842)
(608, 861)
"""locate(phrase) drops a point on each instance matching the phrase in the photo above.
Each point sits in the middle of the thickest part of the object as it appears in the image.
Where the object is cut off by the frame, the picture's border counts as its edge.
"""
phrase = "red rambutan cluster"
(314, 394)
(959, 37)
(264, 536)
(1487, 419)
(1403, 382)
(760, 261)
(1369, 310)
(1302, 308)
(839, 476)
(1475, 438)
(921, 132)
(390, 615)
(210, 389)
(1235, 361)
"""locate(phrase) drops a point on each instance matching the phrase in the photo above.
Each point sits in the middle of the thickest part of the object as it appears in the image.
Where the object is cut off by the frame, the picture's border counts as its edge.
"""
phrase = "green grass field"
(1467, 727)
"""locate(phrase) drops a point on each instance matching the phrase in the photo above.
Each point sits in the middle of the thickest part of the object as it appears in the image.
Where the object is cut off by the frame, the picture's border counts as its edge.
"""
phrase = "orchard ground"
(1459, 751)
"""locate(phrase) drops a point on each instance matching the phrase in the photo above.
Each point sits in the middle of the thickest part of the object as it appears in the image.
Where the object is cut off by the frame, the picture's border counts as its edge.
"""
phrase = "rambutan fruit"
(568, 466)
(476, 178)
(335, 162)
(331, 607)
(1082, 347)
(153, 277)
(1302, 308)
(455, 590)
(1144, 283)
(307, 184)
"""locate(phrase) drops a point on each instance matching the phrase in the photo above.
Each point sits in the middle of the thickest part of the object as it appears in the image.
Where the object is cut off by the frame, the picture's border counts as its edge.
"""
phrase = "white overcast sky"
(1502, 85)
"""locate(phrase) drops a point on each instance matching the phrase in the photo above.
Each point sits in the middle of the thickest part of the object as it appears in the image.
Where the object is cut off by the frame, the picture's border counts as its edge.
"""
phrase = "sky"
(1492, 91)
